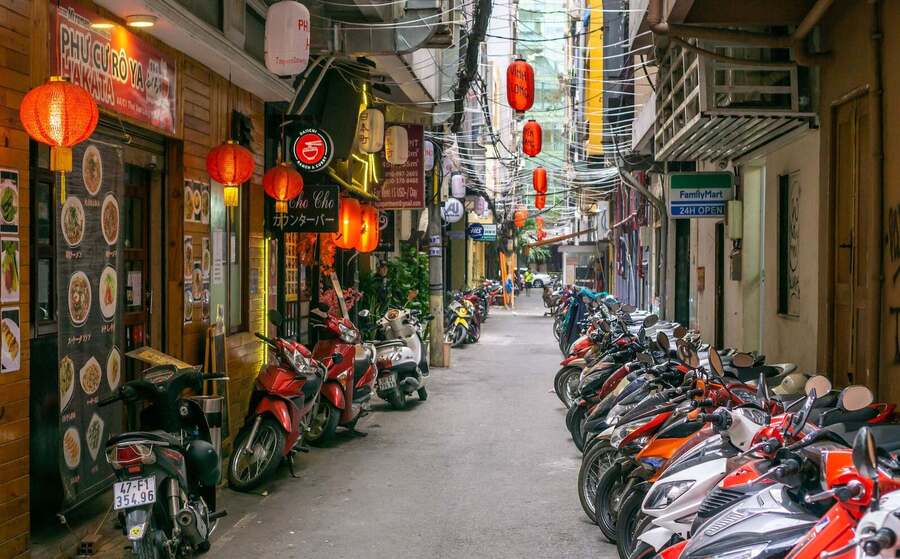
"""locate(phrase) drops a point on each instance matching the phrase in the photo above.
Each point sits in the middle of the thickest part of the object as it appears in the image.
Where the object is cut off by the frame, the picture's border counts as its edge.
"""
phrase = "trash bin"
(213, 407)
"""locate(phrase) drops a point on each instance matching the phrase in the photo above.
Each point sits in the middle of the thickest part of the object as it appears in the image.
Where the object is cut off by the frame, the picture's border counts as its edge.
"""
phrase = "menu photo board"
(122, 72)
(403, 187)
(89, 273)
(314, 211)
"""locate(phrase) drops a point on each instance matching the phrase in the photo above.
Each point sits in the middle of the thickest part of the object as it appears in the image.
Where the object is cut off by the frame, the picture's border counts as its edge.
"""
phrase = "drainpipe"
(795, 41)
(877, 138)
(660, 207)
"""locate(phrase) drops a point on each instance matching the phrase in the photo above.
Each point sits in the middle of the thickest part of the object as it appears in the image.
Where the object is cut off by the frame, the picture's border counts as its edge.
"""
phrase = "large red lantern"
(520, 85)
(349, 223)
(540, 200)
(231, 165)
(61, 115)
(532, 139)
(519, 217)
(369, 234)
(539, 180)
(282, 183)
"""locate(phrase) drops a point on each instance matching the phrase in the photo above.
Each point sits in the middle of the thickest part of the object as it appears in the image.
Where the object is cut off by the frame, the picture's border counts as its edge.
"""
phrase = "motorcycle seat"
(887, 435)
(389, 343)
(160, 437)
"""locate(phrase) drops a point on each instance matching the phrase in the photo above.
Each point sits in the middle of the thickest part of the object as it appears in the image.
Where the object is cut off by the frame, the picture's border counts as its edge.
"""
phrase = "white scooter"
(401, 360)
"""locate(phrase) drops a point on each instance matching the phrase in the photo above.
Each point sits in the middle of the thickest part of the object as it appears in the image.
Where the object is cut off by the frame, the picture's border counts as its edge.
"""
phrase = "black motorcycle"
(168, 472)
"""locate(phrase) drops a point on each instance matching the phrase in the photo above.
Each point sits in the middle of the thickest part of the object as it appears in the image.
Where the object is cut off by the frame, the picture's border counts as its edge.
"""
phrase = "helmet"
(203, 463)
(794, 383)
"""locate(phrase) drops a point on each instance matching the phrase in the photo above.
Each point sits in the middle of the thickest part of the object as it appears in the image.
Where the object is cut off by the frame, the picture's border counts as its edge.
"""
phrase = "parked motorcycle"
(350, 379)
(167, 473)
(284, 396)
(461, 326)
(401, 359)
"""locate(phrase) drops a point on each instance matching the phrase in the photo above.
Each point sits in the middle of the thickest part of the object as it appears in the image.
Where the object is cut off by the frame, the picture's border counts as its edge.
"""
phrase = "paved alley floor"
(483, 468)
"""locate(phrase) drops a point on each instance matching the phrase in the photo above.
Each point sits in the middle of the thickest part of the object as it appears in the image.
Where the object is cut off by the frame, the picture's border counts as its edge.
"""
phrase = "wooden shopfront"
(179, 262)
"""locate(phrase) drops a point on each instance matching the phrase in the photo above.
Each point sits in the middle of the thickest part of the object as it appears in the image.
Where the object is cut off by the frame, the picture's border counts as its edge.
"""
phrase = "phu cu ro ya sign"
(694, 195)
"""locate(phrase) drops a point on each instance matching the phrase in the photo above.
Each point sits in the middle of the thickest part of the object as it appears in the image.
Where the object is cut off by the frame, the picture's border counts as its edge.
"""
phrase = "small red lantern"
(282, 183)
(349, 223)
(540, 200)
(520, 85)
(539, 180)
(231, 165)
(370, 233)
(532, 139)
(539, 223)
(61, 115)
(519, 217)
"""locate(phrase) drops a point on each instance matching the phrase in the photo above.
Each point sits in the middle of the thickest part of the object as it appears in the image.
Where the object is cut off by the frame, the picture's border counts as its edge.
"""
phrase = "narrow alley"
(483, 468)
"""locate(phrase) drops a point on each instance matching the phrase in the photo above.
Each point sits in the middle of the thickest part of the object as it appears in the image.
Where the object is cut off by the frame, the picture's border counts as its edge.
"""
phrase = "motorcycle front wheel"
(631, 522)
(396, 398)
(251, 465)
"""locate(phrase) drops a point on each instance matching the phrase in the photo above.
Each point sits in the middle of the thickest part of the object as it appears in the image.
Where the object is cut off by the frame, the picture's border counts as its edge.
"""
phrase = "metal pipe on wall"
(876, 109)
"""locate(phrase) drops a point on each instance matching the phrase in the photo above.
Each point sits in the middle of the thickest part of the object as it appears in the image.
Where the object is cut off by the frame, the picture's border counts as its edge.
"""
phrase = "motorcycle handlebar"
(114, 397)
(883, 539)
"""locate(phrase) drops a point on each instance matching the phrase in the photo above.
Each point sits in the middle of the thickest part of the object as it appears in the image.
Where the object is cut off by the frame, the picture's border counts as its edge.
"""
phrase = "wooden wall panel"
(18, 19)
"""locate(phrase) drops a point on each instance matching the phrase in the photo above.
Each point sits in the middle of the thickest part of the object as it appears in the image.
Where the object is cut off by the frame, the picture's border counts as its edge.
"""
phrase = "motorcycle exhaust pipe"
(187, 520)
(411, 382)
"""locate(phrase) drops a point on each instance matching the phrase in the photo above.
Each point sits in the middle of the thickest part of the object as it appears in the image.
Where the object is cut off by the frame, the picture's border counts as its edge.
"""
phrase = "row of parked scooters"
(465, 313)
(696, 453)
(168, 471)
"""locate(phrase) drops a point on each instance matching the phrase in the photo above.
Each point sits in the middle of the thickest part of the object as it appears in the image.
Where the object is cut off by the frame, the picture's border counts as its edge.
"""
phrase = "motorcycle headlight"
(622, 432)
(348, 334)
(664, 494)
(741, 553)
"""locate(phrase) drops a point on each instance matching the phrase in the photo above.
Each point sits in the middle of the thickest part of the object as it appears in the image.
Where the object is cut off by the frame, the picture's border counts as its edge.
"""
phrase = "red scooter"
(350, 381)
(284, 396)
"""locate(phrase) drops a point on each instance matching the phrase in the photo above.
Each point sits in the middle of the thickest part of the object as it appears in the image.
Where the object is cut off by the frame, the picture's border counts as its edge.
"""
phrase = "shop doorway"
(682, 271)
(136, 318)
(855, 312)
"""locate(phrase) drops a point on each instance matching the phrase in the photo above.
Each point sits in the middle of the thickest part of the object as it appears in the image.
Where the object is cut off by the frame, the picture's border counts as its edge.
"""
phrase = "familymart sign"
(699, 194)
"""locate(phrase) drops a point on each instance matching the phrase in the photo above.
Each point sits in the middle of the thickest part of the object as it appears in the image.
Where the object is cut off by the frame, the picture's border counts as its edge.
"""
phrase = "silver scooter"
(401, 359)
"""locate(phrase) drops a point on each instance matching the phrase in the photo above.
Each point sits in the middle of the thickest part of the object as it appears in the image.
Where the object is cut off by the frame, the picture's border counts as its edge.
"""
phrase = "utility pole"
(436, 263)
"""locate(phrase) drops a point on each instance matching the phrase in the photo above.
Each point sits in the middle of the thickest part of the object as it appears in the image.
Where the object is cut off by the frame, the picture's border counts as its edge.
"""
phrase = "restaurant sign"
(403, 187)
(122, 72)
(314, 211)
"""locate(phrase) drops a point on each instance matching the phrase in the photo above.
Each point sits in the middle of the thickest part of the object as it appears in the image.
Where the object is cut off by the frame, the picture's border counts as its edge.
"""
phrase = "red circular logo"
(312, 150)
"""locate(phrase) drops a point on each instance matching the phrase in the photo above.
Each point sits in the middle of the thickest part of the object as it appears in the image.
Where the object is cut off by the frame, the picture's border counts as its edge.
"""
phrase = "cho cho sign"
(314, 211)
(403, 187)
(122, 72)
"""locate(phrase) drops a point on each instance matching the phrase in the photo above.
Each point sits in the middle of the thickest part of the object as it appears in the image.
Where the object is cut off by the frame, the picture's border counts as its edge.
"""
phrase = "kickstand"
(357, 433)
(290, 462)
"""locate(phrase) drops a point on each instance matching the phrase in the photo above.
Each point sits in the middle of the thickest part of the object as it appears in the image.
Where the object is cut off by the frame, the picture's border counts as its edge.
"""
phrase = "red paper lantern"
(519, 217)
(349, 223)
(370, 233)
(532, 139)
(520, 85)
(230, 164)
(540, 200)
(539, 223)
(282, 183)
(539, 180)
(61, 115)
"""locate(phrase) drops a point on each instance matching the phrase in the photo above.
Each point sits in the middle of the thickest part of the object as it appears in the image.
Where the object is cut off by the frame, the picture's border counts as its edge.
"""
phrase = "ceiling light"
(141, 20)
(102, 25)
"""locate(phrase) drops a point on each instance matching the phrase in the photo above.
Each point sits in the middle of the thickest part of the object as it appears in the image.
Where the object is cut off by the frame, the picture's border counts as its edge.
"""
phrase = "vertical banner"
(89, 271)
(403, 187)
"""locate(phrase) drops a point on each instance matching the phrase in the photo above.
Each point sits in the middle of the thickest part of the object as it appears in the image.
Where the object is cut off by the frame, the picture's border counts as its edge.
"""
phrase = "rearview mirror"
(715, 361)
(275, 317)
(865, 454)
(855, 398)
(818, 384)
(650, 321)
(742, 360)
(662, 341)
(679, 332)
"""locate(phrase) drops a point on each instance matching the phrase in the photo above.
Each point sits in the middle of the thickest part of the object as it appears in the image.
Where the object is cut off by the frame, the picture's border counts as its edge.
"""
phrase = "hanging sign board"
(123, 73)
(403, 187)
(482, 231)
(386, 227)
(89, 274)
(452, 210)
(311, 150)
(699, 194)
(314, 211)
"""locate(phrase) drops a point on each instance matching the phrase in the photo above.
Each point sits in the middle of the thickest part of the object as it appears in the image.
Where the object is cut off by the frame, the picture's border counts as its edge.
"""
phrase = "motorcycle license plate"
(134, 493)
(387, 383)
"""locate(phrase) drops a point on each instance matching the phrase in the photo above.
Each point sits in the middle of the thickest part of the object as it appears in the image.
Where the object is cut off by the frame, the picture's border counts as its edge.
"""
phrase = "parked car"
(541, 279)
